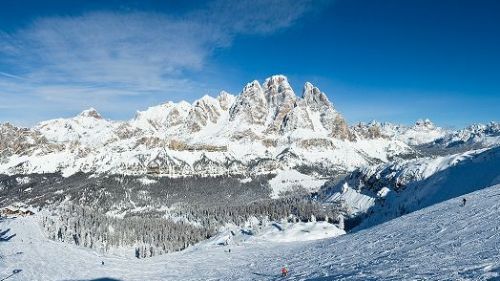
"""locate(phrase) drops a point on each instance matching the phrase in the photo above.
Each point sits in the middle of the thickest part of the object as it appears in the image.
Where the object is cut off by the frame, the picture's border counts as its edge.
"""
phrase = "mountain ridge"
(243, 134)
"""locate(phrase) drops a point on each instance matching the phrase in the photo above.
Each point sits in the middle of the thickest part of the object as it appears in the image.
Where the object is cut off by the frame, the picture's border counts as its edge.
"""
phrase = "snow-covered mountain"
(386, 191)
(423, 131)
(473, 137)
(264, 129)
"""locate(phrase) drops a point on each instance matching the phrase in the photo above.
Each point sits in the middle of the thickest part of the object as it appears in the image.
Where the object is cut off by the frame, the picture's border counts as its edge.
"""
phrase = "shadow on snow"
(4, 237)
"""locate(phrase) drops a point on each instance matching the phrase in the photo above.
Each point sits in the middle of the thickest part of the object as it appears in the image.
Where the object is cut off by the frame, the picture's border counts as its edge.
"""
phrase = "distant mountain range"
(264, 129)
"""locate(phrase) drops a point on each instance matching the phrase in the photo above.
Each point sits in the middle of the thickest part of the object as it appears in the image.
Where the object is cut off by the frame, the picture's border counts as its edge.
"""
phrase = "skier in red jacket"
(284, 271)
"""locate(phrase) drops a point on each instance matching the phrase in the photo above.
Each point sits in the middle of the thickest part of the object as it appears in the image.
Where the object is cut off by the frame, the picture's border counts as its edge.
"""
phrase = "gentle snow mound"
(290, 179)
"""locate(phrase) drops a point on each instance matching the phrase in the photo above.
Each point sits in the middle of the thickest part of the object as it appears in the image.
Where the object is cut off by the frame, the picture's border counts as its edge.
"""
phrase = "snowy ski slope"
(442, 242)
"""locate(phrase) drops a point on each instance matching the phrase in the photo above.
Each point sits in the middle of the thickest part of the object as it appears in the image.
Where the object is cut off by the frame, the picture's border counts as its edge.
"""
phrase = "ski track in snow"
(442, 242)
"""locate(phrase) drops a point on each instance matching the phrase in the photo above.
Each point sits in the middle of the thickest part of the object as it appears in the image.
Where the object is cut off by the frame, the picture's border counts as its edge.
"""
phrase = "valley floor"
(442, 242)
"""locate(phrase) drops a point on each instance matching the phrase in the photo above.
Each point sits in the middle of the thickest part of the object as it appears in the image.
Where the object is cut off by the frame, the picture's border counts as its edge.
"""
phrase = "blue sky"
(387, 60)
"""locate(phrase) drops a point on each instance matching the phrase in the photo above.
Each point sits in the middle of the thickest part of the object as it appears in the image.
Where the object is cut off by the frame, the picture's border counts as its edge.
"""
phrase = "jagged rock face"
(298, 118)
(247, 134)
(339, 128)
(276, 106)
(225, 100)
(251, 106)
(315, 99)
(374, 132)
(335, 124)
(478, 131)
(151, 142)
(368, 131)
(15, 140)
(278, 91)
(204, 110)
(331, 120)
(280, 99)
(125, 131)
(174, 118)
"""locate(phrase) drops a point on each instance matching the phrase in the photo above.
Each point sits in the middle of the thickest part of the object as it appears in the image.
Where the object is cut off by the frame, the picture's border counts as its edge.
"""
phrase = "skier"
(102, 262)
(464, 201)
(284, 271)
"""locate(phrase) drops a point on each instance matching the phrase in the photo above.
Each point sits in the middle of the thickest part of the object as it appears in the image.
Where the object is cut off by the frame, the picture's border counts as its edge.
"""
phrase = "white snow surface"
(302, 231)
(287, 180)
(354, 199)
(269, 231)
(446, 241)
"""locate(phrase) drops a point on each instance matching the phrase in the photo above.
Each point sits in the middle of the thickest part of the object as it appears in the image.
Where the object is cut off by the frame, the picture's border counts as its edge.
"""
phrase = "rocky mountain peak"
(225, 100)
(91, 112)
(206, 109)
(280, 98)
(314, 98)
(277, 83)
(251, 105)
(424, 123)
(252, 87)
(278, 91)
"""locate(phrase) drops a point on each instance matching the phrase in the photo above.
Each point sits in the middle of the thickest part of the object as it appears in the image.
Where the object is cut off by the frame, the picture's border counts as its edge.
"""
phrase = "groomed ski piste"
(445, 241)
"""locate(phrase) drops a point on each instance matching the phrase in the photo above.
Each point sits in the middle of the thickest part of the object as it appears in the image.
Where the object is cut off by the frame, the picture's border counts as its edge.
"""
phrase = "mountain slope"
(389, 190)
(442, 242)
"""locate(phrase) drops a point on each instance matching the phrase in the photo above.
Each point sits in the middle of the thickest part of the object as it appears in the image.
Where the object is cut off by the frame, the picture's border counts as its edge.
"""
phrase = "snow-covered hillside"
(389, 190)
(446, 241)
